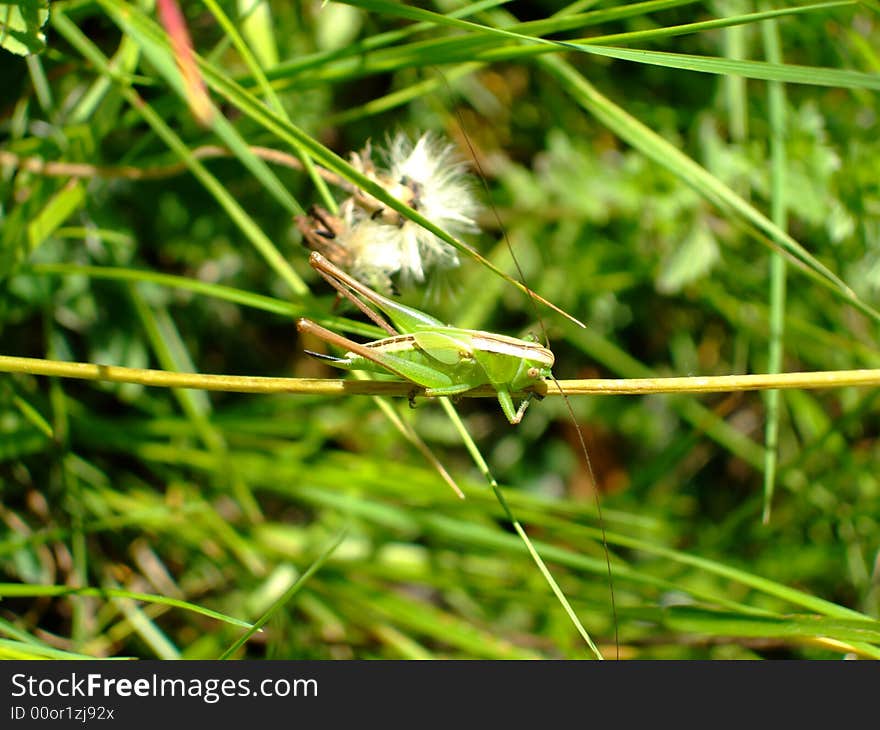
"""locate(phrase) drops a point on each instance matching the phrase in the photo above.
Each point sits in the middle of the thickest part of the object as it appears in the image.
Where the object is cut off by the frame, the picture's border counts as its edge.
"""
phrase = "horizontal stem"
(57, 168)
(319, 386)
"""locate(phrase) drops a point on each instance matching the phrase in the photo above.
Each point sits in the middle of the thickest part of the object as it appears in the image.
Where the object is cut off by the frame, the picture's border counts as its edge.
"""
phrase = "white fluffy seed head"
(375, 243)
(374, 249)
(429, 177)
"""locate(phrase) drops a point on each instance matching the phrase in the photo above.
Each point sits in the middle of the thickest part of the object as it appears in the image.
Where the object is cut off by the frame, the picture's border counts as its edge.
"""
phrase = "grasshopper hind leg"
(340, 362)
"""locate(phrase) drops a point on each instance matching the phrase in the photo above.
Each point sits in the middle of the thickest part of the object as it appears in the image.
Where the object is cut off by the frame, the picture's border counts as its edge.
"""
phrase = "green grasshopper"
(444, 360)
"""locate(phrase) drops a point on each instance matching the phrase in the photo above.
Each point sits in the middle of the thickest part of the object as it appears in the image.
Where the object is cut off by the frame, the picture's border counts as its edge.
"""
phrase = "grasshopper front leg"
(514, 415)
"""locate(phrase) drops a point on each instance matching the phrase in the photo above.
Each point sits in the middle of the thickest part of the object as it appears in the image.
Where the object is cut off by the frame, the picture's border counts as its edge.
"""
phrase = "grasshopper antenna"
(532, 300)
(497, 216)
(589, 462)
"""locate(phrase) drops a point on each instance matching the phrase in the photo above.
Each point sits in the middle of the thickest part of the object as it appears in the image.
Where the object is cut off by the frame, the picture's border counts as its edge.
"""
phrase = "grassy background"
(648, 200)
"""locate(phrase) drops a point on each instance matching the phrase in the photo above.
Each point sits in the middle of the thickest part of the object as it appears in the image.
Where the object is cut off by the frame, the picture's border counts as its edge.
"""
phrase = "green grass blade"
(245, 298)
(259, 239)
(285, 598)
(776, 104)
(19, 590)
(762, 70)
(750, 69)
(658, 149)
(471, 446)
(60, 207)
(159, 52)
(267, 90)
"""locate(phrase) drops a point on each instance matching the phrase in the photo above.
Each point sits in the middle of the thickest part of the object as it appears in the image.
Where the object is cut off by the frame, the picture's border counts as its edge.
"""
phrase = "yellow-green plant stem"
(334, 386)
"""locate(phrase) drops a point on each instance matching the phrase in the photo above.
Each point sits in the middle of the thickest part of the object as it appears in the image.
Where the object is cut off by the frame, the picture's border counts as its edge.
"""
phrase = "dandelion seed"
(429, 177)
(375, 243)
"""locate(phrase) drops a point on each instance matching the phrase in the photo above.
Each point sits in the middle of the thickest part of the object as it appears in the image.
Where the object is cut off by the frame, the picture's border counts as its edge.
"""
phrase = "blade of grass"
(735, 86)
(20, 590)
(251, 230)
(274, 102)
(407, 431)
(478, 459)
(707, 64)
(208, 289)
(173, 355)
(25, 651)
(726, 623)
(284, 599)
(658, 149)
(762, 70)
(779, 216)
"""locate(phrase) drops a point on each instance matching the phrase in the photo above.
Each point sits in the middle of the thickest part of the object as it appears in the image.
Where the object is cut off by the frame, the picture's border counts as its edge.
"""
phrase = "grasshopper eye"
(534, 373)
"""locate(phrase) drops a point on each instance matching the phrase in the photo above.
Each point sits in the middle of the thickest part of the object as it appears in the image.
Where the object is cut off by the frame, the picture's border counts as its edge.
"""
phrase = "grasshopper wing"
(448, 349)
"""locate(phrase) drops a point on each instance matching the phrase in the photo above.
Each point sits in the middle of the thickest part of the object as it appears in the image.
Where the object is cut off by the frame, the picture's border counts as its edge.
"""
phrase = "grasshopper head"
(538, 373)
(537, 364)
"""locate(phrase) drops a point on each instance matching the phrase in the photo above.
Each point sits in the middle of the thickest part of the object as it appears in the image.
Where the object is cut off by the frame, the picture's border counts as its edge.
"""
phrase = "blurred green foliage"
(21, 24)
(224, 500)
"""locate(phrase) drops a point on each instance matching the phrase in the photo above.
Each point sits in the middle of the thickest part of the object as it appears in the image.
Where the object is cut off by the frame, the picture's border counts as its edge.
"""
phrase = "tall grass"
(696, 182)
